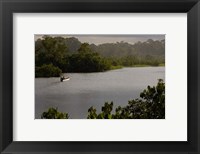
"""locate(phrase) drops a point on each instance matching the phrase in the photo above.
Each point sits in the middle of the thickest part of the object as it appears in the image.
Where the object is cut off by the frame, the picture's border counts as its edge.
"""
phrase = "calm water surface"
(84, 90)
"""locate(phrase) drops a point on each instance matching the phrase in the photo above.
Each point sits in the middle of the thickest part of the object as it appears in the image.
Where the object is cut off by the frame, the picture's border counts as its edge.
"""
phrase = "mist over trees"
(70, 55)
(121, 49)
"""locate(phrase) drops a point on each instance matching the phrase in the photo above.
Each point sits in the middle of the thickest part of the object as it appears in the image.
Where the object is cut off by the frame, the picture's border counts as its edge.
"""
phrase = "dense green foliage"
(87, 61)
(70, 55)
(105, 114)
(131, 61)
(151, 105)
(47, 70)
(51, 51)
(53, 113)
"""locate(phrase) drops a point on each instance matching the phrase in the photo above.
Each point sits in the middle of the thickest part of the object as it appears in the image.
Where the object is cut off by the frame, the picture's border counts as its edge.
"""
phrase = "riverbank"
(111, 68)
(137, 65)
(48, 75)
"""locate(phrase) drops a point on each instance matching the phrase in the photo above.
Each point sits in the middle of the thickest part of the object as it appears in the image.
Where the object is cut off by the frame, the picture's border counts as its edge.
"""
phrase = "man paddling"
(62, 78)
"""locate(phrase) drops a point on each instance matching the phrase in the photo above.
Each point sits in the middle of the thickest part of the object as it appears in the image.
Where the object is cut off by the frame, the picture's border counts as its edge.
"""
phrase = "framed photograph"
(99, 76)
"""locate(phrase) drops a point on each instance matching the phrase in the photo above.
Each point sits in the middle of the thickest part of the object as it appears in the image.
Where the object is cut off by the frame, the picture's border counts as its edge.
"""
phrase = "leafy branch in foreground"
(53, 113)
(151, 105)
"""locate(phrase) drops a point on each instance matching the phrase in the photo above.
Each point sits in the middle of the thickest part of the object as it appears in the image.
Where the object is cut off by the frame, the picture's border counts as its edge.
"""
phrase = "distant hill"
(121, 49)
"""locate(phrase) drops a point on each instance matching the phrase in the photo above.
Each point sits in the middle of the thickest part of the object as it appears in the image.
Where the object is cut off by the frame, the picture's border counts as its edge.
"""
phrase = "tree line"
(54, 55)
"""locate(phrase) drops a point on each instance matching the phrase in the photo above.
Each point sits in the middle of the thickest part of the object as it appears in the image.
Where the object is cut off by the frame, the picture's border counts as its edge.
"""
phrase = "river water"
(84, 90)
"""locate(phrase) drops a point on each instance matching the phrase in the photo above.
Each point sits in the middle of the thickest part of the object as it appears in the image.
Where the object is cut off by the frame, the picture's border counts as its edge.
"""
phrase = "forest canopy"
(58, 54)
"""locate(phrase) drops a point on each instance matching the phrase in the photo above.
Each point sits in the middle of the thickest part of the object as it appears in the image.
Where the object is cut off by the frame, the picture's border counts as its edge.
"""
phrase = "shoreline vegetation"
(57, 55)
(150, 105)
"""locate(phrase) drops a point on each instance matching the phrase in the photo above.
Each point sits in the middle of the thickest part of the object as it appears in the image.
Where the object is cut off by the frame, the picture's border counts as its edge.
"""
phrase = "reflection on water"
(84, 90)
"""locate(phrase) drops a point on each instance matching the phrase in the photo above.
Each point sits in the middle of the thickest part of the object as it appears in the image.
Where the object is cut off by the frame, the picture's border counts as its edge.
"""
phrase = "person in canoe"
(62, 78)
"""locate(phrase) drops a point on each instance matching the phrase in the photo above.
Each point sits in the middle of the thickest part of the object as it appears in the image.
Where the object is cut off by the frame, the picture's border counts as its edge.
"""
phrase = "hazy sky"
(99, 39)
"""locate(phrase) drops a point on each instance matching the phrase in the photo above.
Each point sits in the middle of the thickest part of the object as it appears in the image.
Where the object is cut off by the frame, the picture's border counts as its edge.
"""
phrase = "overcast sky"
(100, 39)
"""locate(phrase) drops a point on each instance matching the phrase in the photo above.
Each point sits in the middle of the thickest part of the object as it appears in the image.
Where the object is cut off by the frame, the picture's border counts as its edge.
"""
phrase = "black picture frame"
(8, 7)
